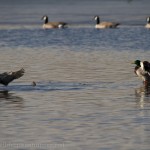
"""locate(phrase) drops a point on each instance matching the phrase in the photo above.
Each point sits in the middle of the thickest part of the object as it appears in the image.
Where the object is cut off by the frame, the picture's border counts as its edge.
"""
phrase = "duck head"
(137, 62)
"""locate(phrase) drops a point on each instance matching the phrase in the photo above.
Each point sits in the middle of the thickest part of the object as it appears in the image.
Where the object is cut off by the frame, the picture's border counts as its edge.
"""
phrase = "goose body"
(103, 25)
(148, 23)
(142, 70)
(7, 77)
(51, 25)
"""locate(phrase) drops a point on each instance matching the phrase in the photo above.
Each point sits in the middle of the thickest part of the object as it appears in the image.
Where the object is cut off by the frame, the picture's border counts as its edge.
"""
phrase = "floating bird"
(50, 25)
(33, 83)
(148, 22)
(142, 70)
(7, 77)
(102, 25)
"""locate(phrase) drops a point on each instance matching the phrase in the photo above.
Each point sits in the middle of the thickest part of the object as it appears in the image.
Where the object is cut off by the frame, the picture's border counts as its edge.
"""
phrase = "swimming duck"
(148, 22)
(50, 25)
(102, 25)
(142, 70)
(7, 77)
(33, 83)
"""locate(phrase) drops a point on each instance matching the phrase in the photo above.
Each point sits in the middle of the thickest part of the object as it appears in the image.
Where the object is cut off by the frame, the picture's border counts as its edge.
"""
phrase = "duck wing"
(146, 65)
(7, 77)
(135, 69)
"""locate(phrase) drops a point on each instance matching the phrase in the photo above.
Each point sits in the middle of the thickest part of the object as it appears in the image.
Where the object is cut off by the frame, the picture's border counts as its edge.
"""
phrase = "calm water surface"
(87, 95)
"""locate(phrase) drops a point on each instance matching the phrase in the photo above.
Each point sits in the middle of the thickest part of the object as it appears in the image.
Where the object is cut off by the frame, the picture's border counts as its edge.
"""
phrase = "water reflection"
(142, 96)
(9, 98)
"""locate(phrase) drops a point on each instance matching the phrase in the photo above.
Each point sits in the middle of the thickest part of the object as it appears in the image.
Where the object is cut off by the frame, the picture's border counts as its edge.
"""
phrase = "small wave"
(54, 86)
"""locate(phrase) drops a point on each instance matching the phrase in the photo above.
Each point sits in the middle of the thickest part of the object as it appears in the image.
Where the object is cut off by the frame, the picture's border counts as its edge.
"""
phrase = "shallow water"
(87, 95)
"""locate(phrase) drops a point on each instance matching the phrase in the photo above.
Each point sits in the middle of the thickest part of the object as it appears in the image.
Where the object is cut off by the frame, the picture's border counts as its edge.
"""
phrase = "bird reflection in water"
(142, 95)
(10, 98)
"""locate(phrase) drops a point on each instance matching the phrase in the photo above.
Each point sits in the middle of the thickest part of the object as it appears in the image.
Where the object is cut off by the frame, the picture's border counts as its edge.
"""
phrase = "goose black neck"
(46, 20)
(97, 20)
(148, 20)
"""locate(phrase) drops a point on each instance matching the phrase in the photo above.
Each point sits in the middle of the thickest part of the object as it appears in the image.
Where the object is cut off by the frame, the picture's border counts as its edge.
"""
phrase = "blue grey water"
(87, 95)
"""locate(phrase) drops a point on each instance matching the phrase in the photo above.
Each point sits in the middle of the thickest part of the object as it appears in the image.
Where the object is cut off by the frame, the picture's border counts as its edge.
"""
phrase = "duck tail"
(7, 77)
(18, 74)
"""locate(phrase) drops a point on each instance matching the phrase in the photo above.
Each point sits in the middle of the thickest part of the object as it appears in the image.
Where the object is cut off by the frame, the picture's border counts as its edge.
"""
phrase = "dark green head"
(137, 62)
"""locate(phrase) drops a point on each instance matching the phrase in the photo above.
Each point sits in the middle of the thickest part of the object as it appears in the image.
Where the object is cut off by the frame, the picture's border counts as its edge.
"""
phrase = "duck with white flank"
(148, 23)
(142, 70)
(7, 77)
(51, 25)
(102, 25)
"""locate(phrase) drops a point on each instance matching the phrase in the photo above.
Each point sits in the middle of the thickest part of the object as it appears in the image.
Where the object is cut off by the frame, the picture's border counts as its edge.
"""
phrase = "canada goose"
(50, 25)
(148, 22)
(142, 70)
(7, 77)
(102, 25)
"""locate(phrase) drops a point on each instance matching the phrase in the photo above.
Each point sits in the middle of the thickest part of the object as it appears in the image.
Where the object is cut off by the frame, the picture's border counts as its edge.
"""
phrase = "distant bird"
(102, 25)
(142, 70)
(51, 25)
(7, 77)
(148, 23)
(33, 83)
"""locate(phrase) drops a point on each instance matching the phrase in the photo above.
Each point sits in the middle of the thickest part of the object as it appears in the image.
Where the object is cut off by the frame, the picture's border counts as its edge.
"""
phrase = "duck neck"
(139, 64)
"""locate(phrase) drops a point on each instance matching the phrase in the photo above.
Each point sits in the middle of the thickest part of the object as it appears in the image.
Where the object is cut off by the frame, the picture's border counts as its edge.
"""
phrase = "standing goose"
(102, 25)
(7, 77)
(142, 70)
(50, 25)
(148, 23)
